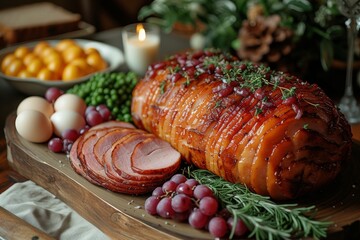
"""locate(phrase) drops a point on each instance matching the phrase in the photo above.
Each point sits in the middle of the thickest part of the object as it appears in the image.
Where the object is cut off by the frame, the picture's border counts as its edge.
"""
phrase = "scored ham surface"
(274, 133)
(104, 154)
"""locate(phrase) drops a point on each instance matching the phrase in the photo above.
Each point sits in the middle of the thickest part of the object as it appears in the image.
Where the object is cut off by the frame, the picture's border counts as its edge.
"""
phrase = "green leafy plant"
(318, 25)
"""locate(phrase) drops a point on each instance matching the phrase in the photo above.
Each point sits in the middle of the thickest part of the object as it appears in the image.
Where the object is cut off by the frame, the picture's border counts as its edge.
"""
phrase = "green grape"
(112, 89)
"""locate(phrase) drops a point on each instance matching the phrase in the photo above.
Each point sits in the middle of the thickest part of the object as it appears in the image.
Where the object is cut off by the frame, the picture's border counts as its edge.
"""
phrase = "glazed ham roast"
(276, 134)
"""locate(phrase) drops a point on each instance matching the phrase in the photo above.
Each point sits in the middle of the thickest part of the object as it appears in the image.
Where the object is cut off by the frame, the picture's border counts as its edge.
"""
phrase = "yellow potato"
(6, 61)
(21, 52)
(35, 66)
(71, 72)
(14, 67)
(72, 53)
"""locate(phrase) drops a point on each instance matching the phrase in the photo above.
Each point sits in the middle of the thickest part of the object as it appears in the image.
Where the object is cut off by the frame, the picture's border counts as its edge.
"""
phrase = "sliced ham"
(103, 126)
(106, 140)
(112, 124)
(154, 156)
(121, 159)
(76, 164)
(102, 155)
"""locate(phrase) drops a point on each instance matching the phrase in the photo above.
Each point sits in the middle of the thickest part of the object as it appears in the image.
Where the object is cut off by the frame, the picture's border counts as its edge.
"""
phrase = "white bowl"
(32, 86)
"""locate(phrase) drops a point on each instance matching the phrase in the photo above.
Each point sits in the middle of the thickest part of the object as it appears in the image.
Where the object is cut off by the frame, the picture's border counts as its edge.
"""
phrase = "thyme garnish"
(264, 218)
(258, 111)
(311, 103)
(286, 93)
(218, 104)
(175, 69)
(162, 87)
(252, 77)
(247, 74)
(187, 82)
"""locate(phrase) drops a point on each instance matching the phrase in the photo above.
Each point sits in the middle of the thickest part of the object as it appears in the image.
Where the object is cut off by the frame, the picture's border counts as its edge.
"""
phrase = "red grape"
(105, 113)
(197, 219)
(70, 134)
(181, 203)
(192, 183)
(89, 109)
(164, 208)
(151, 204)
(158, 192)
(94, 118)
(218, 227)
(169, 187)
(84, 129)
(240, 227)
(184, 199)
(181, 217)
(101, 106)
(208, 205)
(55, 145)
(67, 144)
(201, 191)
(53, 93)
(178, 178)
(185, 189)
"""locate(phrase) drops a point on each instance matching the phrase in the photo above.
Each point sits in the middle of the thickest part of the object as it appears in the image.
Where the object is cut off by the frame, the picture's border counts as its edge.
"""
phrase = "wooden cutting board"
(123, 216)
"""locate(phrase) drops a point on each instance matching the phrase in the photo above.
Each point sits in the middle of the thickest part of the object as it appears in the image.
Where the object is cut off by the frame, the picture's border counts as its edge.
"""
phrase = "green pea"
(113, 89)
(115, 110)
(114, 97)
(99, 99)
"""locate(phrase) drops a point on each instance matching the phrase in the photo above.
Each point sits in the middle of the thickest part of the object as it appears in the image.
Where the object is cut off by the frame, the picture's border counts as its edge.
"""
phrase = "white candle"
(140, 49)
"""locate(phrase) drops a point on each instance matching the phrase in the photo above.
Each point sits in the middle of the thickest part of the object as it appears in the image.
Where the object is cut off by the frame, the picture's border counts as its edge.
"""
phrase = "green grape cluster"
(112, 89)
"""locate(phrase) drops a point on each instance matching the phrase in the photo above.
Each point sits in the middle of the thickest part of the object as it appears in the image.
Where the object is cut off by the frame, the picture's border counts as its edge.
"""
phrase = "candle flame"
(141, 32)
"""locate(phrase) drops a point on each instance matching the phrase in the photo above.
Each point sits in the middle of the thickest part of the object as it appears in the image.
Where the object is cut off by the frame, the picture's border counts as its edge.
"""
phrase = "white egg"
(36, 103)
(67, 119)
(34, 126)
(70, 101)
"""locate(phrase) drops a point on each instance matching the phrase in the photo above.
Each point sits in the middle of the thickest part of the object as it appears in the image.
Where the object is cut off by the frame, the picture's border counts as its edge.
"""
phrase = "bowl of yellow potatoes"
(32, 68)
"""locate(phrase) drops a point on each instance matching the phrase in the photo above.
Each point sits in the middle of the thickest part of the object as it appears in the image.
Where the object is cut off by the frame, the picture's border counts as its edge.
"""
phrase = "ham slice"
(154, 156)
(112, 124)
(106, 140)
(103, 156)
(121, 159)
(77, 166)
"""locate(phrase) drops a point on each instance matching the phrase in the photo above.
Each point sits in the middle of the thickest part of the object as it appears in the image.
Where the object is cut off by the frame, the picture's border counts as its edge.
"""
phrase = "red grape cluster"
(96, 115)
(93, 116)
(184, 199)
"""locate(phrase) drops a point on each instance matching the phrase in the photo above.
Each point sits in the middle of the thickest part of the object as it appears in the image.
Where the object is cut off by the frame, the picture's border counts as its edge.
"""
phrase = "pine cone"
(264, 40)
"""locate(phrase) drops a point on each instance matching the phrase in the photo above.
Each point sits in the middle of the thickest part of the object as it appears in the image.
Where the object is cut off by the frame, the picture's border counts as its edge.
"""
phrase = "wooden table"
(9, 99)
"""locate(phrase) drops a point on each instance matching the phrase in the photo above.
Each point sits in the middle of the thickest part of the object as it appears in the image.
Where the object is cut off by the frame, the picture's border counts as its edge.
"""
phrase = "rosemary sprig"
(264, 218)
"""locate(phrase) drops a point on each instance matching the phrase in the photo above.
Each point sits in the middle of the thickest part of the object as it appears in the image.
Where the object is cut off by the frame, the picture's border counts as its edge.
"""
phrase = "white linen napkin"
(44, 211)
